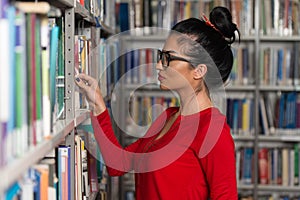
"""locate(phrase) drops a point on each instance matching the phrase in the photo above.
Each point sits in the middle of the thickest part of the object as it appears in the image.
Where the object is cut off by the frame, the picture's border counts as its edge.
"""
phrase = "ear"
(200, 71)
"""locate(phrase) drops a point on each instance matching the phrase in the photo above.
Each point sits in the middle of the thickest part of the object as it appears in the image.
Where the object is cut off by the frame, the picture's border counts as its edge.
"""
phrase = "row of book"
(280, 113)
(279, 166)
(41, 181)
(143, 110)
(83, 53)
(277, 17)
(100, 9)
(242, 71)
(244, 165)
(140, 66)
(239, 115)
(51, 177)
(273, 196)
(241, 10)
(142, 13)
(279, 66)
(280, 17)
(30, 92)
(166, 13)
(131, 67)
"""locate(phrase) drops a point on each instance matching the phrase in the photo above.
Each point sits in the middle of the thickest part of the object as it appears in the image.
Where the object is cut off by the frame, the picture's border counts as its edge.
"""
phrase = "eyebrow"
(170, 51)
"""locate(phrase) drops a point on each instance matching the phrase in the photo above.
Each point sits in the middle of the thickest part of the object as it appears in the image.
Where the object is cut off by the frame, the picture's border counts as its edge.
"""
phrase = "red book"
(263, 165)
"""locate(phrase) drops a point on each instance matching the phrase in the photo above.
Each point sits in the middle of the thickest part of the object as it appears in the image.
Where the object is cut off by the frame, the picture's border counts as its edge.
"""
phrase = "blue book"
(290, 112)
(11, 125)
(12, 192)
(229, 112)
(235, 115)
(247, 166)
(53, 58)
(37, 185)
(281, 112)
(124, 16)
(280, 66)
(3, 5)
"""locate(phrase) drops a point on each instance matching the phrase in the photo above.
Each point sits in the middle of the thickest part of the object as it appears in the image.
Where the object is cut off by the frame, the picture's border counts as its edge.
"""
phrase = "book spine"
(4, 82)
(263, 166)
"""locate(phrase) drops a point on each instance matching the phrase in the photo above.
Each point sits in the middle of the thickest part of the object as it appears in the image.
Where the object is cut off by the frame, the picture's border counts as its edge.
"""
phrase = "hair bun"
(221, 18)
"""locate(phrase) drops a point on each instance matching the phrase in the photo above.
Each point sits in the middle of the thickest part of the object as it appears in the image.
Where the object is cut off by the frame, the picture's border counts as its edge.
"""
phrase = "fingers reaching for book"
(89, 86)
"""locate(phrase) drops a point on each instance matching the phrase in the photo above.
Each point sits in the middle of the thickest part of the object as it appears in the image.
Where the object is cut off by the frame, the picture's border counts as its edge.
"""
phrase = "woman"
(188, 152)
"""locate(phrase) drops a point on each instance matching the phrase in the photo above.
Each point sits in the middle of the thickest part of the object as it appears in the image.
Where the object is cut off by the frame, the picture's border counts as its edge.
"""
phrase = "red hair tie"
(208, 23)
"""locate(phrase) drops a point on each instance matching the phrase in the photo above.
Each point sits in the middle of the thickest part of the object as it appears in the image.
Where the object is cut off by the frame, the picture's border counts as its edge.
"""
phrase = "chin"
(163, 87)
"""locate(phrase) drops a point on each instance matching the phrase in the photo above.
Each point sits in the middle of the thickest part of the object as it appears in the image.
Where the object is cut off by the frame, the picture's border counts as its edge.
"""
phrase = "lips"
(160, 77)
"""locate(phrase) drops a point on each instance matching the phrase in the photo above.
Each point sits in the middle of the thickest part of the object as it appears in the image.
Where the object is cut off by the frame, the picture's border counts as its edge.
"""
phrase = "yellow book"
(245, 116)
(188, 10)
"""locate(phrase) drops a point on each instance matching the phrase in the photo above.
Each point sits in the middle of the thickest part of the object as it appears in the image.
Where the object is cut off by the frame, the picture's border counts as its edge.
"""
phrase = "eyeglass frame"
(169, 57)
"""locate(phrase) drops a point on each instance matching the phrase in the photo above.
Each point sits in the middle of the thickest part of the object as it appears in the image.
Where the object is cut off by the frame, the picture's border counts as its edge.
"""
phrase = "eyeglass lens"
(163, 57)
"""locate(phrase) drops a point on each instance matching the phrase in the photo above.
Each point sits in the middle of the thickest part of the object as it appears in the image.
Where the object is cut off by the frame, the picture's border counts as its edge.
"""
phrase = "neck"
(191, 103)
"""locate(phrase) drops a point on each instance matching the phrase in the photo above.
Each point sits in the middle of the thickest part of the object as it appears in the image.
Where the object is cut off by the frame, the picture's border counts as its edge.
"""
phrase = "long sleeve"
(117, 159)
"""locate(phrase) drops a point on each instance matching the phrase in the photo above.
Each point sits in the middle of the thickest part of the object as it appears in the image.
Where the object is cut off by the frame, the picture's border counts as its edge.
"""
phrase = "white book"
(4, 75)
(285, 167)
(45, 77)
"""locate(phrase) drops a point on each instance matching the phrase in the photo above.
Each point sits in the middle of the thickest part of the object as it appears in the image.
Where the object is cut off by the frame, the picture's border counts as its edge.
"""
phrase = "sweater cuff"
(103, 115)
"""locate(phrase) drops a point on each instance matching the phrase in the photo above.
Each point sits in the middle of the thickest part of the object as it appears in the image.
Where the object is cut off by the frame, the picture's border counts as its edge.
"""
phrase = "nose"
(159, 66)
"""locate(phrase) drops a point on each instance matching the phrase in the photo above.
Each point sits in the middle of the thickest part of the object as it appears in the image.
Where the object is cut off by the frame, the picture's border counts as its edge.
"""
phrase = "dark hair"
(215, 38)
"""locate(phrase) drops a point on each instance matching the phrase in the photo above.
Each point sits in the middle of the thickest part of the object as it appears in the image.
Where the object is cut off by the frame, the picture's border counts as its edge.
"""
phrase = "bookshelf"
(16, 170)
(255, 38)
(12, 172)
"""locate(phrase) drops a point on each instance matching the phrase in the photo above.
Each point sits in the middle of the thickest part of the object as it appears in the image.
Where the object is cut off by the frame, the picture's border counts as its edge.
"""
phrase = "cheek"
(177, 79)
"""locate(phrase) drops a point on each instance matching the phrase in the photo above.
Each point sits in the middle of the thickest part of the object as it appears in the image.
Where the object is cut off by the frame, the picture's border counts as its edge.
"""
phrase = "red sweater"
(194, 160)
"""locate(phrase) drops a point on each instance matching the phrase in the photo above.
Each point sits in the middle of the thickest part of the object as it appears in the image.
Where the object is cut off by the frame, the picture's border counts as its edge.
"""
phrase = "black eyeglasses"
(165, 57)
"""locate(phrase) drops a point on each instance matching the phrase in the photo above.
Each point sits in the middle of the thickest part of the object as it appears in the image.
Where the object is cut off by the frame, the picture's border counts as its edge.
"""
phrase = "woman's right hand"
(89, 86)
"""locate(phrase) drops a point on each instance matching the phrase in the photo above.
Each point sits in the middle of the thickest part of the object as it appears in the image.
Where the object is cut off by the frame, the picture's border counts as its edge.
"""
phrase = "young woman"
(188, 152)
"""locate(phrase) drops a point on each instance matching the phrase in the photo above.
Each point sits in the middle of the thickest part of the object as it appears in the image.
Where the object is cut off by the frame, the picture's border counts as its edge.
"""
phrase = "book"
(124, 16)
(54, 33)
(285, 167)
(263, 166)
(60, 70)
(12, 192)
(263, 116)
(63, 172)
(79, 146)
(38, 81)
(247, 166)
(4, 80)
(45, 45)
(43, 173)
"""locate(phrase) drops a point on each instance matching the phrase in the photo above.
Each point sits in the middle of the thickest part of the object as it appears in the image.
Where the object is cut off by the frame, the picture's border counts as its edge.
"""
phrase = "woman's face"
(176, 74)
